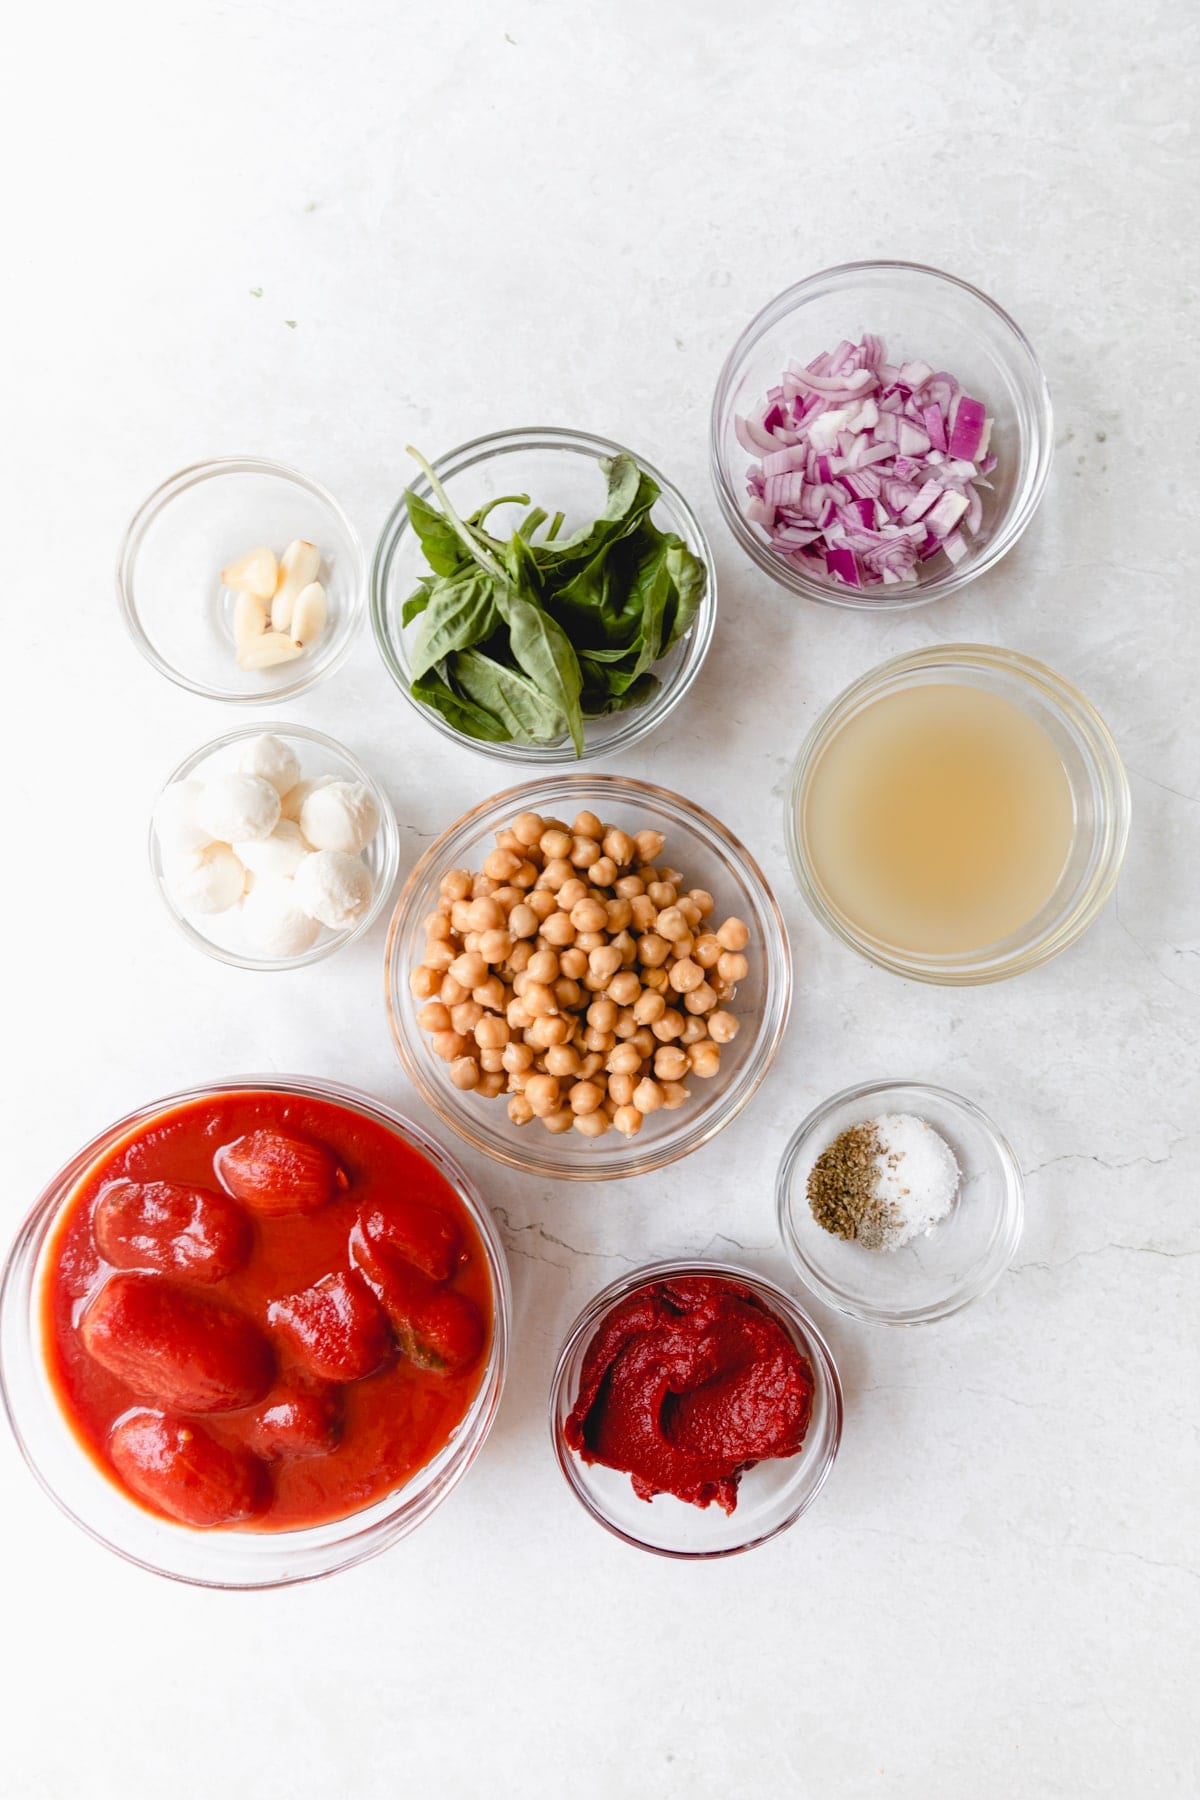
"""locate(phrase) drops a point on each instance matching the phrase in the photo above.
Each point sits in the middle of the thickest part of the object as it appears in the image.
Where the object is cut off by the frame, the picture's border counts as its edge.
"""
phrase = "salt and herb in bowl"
(899, 1203)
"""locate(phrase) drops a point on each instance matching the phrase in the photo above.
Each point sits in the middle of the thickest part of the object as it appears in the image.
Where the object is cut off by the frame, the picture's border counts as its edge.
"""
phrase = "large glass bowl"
(1099, 795)
(219, 934)
(922, 314)
(709, 856)
(226, 1558)
(179, 612)
(557, 469)
(771, 1496)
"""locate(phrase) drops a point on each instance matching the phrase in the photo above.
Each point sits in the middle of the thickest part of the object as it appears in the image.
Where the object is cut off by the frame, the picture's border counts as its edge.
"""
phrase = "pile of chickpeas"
(575, 974)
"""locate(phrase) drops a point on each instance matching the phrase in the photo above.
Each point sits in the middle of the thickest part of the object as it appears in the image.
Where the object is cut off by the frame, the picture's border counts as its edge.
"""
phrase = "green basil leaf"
(598, 704)
(444, 550)
(631, 494)
(472, 720)
(543, 650)
(417, 601)
(527, 714)
(690, 578)
(458, 614)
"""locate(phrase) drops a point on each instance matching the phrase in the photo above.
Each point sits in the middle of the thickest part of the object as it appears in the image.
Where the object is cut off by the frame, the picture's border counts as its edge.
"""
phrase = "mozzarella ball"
(233, 807)
(333, 887)
(274, 858)
(179, 830)
(275, 924)
(274, 760)
(207, 881)
(293, 800)
(340, 816)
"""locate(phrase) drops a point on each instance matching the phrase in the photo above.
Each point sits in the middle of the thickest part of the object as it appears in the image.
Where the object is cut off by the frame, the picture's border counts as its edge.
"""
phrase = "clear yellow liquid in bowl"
(939, 819)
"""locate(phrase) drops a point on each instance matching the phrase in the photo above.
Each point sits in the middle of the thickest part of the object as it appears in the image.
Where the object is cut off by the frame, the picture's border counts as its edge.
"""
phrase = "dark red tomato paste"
(266, 1311)
(685, 1385)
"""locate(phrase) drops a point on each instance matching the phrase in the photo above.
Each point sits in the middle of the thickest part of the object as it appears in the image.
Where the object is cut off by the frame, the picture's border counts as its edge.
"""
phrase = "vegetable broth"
(939, 819)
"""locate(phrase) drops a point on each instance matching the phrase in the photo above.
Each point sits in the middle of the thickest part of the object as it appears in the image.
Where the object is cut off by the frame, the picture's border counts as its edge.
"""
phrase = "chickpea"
(648, 1007)
(619, 846)
(558, 929)
(528, 827)
(449, 1045)
(734, 934)
(438, 956)
(626, 1059)
(626, 1025)
(567, 993)
(702, 900)
(469, 970)
(519, 955)
(555, 873)
(547, 1030)
(690, 911)
(451, 991)
(519, 1109)
(603, 873)
(663, 894)
(598, 1042)
(620, 1089)
(555, 844)
(485, 915)
(525, 877)
(523, 921)
(707, 951)
(671, 924)
(593, 1124)
(584, 852)
(653, 950)
(543, 1094)
(490, 994)
(674, 1094)
(656, 981)
(629, 887)
(587, 825)
(649, 845)
(705, 1058)
(573, 962)
(722, 1027)
(694, 1029)
(702, 999)
(491, 1061)
(647, 1095)
(585, 1096)
(602, 1014)
(490, 1087)
(434, 1017)
(519, 1019)
(562, 1060)
(619, 914)
(724, 990)
(517, 1057)
(541, 904)
(589, 915)
(605, 962)
(625, 987)
(668, 1025)
(732, 967)
(465, 1017)
(538, 999)
(671, 1063)
(542, 966)
(560, 1121)
(643, 1040)
(685, 975)
(456, 885)
(423, 982)
(628, 1120)
(437, 925)
(590, 940)
(494, 946)
(464, 1072)
(591, 1065)
(572, 892)
(644, 912)
(506, 898)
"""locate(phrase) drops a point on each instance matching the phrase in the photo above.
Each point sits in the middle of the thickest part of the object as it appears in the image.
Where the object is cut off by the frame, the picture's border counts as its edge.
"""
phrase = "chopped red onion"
(866, 469)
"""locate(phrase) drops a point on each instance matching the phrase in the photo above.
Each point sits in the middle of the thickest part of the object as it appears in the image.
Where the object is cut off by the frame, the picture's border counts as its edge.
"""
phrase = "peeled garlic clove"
(255, 573)
(299, 564)
(309, 615)
(271, 648)
(249, 619)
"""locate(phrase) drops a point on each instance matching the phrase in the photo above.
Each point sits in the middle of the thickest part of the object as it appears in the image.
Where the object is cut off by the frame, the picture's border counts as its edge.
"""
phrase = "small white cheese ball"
(333, 887)
(274, 760)
(233, 807)
(293, 800)
(179, 830)
(274, 858)
(340, 816)
(275, 925)
(207, 881)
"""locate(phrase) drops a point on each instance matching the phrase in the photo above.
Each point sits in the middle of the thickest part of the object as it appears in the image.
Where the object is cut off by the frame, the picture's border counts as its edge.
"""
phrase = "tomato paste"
(688, 1383)
(266, 1311)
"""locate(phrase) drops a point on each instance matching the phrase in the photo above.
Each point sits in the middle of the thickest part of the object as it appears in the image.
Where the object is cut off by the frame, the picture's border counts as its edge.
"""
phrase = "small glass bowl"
(557, 469)
(219, 934)
(179, 613)
(922, 314)
(709, 857)
(937, 1274)
(771, 1496)
(226, 1558)
(1099, 794)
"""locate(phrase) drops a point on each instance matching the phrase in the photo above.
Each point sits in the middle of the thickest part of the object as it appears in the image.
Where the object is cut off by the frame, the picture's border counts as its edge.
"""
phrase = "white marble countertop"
(469, 216)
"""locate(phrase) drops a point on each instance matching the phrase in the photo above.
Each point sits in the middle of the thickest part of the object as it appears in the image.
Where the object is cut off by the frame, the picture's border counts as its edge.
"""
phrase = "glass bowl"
(1099, 795)
(709, 857)
(226, 1558)
(922, 314)
(557, 469)
(771, 1496)
(179, 613)
(219, 934)
(936, 1274)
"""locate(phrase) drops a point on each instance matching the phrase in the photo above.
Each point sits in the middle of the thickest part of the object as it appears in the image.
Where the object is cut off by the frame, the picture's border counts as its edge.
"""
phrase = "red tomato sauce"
(685, 1385)
(231, 1395)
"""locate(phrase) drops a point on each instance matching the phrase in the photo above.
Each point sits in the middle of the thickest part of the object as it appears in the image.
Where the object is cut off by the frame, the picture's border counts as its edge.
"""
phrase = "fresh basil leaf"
(417, 601)
(472, 720)
(631, 494)
(543, 650)
(598, 703)
(459, 613)
(690, 578)
(527, 714)
(444, 550)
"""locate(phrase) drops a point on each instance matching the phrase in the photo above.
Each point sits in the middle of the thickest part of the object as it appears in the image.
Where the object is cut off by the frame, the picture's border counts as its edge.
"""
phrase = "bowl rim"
(641, 720)
(949, 581)
(159, 498)
(820, 1356)
(1112, 832)
(388, 826)
(357, 1542)
(764, 1055)
(1006, 1235)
